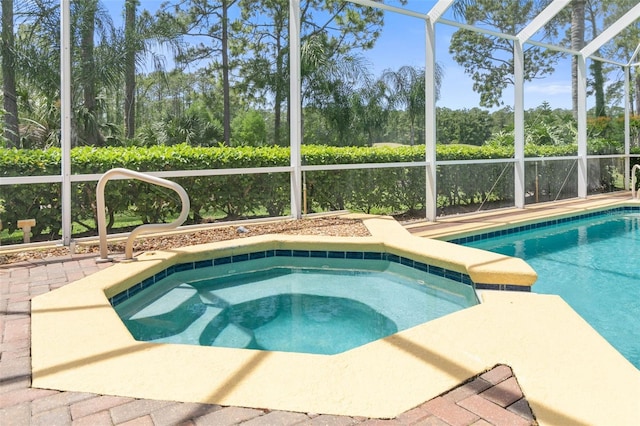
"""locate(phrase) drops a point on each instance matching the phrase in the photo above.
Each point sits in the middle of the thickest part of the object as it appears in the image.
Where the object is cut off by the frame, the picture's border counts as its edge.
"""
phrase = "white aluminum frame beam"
(582, 126)
(627, 116)
(439, 9)
(627, 127)
(518, 109)
(518, 124)
(541, 19)
(382, 6)
(476, 29)
(611, 31)
(431, 187)
(614, 29)
(65, 125)
(295, 108)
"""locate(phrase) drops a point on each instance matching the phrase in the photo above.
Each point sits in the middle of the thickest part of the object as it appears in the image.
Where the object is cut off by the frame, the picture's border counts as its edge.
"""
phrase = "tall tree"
(596, 66)
(224, 48)
(407, 86)
(131, 49)
(339, 26)
(577, 43)
(88, 119)
(488, 59)
(96, 68)
(210, 19)
(11, 128)
(333, 84)
(371, 109)
(146, 36)
(623, 46)
(266, 70)
(38, 82)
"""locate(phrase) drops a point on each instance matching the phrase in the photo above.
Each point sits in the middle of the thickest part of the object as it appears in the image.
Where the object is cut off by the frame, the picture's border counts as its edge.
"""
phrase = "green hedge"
(242, 196)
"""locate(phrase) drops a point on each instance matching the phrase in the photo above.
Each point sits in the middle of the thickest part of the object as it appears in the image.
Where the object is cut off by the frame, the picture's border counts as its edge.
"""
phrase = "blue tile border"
(366, 255)
(503, 287)
(330, 254)
(240, 258)
(551, 222)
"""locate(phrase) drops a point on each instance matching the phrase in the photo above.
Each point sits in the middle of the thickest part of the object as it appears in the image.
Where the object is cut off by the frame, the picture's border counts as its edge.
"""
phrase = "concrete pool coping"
(568, 373)
(479, 222)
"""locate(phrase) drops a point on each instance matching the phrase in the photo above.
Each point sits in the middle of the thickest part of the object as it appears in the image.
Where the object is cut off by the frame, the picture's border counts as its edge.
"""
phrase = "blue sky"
(403, 42)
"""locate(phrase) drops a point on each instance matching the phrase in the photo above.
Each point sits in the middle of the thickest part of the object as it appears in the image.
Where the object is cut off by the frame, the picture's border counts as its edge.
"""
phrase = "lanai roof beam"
(439, 9)
(611, 31)
(541, 19)
(386, 7)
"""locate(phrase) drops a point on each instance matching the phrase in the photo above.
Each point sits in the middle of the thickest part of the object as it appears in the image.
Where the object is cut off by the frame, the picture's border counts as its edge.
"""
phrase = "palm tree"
(331, 80)
(130, 68)
(11, 129)
(144, 36)
(37, 82)
(210, 19)
(371, 109)
(407, 91)
(87, 118)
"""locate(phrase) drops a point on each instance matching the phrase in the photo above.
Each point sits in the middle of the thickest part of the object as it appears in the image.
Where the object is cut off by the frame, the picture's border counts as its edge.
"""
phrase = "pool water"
(291, 307)
(593, 264)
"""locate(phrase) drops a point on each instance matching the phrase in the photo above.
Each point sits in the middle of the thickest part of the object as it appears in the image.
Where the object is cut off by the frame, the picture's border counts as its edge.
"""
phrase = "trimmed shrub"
(226, 197)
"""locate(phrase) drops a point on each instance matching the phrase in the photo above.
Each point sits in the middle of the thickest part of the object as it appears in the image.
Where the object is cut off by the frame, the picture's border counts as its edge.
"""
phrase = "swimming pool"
(591, 261)
(318, 302)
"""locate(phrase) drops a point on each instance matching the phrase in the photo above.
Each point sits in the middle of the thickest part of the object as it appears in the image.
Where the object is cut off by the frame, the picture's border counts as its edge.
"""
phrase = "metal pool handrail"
(634, 194)
(142, 229)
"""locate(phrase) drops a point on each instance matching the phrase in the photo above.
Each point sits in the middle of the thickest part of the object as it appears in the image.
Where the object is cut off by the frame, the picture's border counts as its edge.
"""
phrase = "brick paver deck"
(491, 398)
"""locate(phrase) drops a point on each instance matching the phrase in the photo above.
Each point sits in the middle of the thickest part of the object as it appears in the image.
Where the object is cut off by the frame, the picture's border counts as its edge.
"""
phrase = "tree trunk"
(577, 43)
(130, 69)
(11, 128)
(278, 87)
(90, 122)
(596, 70)
(598, 86)
(226, 102)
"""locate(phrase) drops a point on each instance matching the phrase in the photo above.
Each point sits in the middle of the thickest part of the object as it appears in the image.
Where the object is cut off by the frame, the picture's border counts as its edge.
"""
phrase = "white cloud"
(548, 89)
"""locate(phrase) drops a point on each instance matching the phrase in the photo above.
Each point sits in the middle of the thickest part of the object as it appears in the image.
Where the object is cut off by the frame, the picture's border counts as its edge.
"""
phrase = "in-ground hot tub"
(310, 301)
(80, 343)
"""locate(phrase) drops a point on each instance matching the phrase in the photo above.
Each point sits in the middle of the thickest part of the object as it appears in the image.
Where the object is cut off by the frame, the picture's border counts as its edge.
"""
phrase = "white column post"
(627, 128)
(430, 137)
(65, 125)
(525, 34)
(431, 195)
(295, 105)
(518, 118)
(609, 33)
(582, 127)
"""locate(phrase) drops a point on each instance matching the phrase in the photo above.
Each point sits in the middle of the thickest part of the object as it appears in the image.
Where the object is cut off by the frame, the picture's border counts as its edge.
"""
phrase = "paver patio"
(492, 398)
